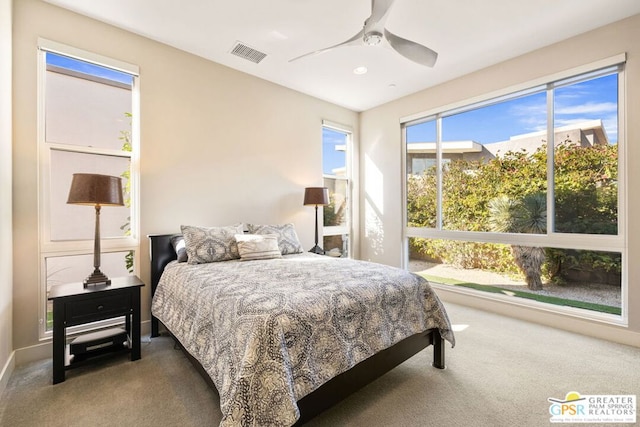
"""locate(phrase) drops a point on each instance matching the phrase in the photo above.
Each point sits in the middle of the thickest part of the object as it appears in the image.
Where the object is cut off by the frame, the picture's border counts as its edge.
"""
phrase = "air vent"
(248, 53)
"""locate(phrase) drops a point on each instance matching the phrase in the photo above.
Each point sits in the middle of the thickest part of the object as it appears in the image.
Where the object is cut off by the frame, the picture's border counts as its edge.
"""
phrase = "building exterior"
(422, 155)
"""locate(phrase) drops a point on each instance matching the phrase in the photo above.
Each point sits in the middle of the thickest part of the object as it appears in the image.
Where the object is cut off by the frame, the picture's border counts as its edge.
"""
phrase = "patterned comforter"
(270, 332)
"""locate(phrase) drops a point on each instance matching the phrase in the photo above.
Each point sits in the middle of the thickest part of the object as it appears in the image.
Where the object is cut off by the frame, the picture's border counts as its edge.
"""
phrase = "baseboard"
(33, 353)
(6, 372)
(44, 350)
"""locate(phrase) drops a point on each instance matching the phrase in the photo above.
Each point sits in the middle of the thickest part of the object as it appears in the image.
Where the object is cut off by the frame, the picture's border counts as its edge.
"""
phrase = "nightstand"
(73, 304)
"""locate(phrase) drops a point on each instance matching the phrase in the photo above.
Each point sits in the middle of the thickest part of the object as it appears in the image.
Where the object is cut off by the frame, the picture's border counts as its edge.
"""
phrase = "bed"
(260, 333)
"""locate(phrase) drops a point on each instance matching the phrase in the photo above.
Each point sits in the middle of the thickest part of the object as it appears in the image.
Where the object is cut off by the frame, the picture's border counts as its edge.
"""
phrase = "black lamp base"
(317, 250)
(97, 278)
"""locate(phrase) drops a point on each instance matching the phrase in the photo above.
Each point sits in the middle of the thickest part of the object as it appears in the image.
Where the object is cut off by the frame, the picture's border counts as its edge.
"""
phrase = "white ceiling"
(467, 34)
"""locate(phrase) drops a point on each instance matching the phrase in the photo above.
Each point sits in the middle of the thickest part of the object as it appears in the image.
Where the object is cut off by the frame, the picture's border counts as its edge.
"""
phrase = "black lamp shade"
(318, 196)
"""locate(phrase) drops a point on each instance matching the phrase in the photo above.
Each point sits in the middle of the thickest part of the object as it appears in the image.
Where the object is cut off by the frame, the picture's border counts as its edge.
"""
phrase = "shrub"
(585, 186)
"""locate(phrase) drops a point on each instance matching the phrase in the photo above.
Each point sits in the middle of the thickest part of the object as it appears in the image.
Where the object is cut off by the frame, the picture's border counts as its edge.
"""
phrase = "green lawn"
(525, 294)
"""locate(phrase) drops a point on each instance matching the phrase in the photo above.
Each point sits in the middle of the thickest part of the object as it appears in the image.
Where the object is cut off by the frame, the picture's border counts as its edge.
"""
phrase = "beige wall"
(217, 146)
(380, 145)
(6, 290)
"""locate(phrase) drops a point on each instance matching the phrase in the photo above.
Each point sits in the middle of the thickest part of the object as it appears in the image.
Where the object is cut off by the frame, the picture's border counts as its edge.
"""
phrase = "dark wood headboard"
(161, 253)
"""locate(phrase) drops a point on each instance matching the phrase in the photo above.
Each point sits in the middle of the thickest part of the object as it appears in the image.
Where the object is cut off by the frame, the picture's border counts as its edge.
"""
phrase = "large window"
(87, 115)
(336, 145)
(520, 195)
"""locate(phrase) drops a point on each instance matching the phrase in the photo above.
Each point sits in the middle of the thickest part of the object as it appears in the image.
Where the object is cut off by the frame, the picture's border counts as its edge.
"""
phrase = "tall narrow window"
(519, 196)
(336, 145)
(87, 105)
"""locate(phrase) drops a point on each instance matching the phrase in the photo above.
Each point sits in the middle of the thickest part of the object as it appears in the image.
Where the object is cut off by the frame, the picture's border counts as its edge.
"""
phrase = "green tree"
(125, 137)
(331, 214)
(585, 188)
(526, 215)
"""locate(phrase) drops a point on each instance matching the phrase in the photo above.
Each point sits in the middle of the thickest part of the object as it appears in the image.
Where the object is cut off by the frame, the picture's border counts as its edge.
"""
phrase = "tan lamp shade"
(93, 189)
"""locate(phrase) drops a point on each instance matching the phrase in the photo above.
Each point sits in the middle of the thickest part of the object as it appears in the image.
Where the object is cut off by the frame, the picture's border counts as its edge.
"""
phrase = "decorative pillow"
(181, 250)
(254, 246)
(288, 241)
(211, 244)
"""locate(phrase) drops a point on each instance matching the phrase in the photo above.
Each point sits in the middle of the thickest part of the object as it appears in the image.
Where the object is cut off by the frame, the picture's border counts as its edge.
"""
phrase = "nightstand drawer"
(97, 308)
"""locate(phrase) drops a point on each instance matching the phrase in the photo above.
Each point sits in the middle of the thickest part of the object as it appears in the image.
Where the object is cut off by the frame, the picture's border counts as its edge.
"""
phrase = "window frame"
(47, 247)
(348, 179)
(611, 243)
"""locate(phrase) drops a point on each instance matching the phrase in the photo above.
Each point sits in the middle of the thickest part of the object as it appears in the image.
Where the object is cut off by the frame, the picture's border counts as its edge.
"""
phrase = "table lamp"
(318, 196)
(96, 190)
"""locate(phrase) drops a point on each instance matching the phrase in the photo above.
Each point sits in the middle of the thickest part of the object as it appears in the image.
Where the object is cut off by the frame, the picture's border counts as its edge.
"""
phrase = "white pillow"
(288, 241)
(254, 246)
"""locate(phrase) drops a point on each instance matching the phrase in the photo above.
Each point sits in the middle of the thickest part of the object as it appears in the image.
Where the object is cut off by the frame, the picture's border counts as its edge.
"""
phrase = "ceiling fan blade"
(355, 40)
(379, 11)
(412, 50)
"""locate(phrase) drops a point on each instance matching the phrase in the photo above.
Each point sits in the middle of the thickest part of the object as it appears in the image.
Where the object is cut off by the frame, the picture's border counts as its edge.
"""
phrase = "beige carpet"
(501, 373)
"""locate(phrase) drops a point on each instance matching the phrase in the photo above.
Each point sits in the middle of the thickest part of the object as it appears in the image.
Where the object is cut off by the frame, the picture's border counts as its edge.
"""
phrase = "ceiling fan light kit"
(374, 33)
(372, 39)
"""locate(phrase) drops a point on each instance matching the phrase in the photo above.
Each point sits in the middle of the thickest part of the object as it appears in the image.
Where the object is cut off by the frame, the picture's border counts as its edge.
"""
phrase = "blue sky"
(88, 68)
(588, 100)
(331, 158)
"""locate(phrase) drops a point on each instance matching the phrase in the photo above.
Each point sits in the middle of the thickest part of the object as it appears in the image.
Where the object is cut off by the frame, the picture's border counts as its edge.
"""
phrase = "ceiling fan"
(374, 33)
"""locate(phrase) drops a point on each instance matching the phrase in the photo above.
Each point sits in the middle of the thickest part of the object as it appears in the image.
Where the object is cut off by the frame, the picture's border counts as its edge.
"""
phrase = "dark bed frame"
(336, 389)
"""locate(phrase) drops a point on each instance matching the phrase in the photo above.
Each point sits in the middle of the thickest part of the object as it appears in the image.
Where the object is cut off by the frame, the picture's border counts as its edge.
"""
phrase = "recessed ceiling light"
(360, 70)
